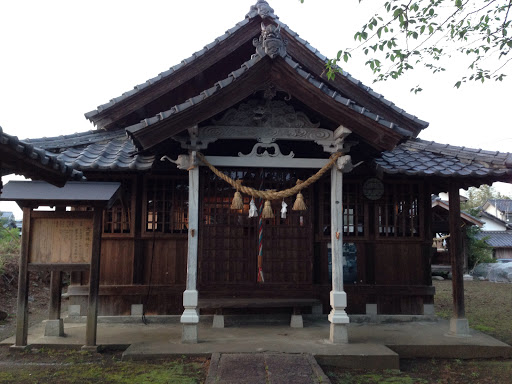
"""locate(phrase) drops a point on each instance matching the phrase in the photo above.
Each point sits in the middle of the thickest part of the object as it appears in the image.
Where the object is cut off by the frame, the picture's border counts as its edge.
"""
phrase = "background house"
(497, 229)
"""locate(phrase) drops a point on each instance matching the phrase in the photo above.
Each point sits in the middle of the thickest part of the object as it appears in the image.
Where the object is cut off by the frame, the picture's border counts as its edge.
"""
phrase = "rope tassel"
(267, 211)
(238, 202)
(299, 204)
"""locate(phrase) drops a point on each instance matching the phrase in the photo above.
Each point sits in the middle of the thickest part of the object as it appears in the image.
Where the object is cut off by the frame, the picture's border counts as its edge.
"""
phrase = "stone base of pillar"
(428, 309)
(338, 334)
(459, 327)
(296, 321)
(189, 334)
(54, 327)
(218, 321)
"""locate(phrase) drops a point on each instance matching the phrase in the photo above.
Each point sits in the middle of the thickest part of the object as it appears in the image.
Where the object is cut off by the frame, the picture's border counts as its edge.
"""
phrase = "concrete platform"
(377, 346)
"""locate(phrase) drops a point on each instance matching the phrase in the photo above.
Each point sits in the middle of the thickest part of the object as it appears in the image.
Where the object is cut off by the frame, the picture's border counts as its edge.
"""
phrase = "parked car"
(504, 260)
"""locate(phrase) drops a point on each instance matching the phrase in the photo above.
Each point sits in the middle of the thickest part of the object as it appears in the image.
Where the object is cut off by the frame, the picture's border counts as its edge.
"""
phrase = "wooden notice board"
(61, 238)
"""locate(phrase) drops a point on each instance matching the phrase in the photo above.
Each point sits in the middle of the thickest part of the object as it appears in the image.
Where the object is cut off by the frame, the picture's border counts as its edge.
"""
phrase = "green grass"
(62, 367)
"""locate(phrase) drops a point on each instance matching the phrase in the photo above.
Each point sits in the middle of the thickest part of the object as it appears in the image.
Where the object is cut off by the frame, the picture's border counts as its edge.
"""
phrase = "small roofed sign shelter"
(60, 241)
(253, 116)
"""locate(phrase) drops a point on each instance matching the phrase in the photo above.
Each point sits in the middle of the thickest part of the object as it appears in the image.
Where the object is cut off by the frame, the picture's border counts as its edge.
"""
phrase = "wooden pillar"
(458, 323)
(55, 295)
(55, 325)
(190, 316)
(94, 281)
(22, 311)
(338, 298)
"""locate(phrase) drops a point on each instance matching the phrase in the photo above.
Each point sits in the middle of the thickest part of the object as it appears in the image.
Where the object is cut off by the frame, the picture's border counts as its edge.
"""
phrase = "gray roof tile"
(419, 157)
(261, 8)
(47, 159)
(497, 239)
(98, 150)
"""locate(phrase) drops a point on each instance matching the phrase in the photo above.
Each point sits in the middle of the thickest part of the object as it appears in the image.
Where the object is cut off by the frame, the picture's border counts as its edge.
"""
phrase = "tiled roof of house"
(497, 239)
(97, 150)
(262, 9)
(503, 205)
(36, 155)
(417, 157)
(233, 76)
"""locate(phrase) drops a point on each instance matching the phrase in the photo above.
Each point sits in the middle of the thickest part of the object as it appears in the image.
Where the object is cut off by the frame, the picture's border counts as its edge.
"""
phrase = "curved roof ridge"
(36, 154)
(76, 139)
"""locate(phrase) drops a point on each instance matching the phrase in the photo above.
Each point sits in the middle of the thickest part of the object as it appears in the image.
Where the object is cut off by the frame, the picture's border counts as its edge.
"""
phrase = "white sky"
(60, 59)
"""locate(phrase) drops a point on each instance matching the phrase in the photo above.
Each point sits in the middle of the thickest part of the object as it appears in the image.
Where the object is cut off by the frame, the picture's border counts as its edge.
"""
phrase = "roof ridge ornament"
(261, 8)
(270, 42)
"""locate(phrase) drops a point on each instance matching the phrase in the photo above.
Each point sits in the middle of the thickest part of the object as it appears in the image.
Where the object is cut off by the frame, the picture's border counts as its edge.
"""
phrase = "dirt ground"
(39, 296)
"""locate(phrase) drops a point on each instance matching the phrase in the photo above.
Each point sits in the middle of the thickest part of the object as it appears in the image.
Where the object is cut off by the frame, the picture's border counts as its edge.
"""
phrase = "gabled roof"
(300, 50)
(503, 205)
(23, 158)
(464, 215)
(489, 217)
(259, 70)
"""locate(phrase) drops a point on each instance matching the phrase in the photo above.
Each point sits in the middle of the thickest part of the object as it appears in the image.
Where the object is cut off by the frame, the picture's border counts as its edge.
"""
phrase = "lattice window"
(353, 209)
(398, 211)
(166, 209)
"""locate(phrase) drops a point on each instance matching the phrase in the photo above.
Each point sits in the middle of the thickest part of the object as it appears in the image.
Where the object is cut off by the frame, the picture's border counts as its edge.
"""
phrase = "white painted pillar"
(338, 317)
(190, 317)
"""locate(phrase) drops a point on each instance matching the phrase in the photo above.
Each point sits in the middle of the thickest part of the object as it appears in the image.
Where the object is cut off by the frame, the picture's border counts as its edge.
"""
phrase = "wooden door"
(229, 241)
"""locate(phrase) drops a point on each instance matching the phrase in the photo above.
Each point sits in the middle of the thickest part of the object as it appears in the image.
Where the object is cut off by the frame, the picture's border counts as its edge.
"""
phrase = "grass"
(51, 366)
(488, 306)
(488, 309)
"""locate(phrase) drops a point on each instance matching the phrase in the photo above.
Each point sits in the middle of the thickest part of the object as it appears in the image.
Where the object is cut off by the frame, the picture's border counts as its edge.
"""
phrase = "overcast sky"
(60, 59)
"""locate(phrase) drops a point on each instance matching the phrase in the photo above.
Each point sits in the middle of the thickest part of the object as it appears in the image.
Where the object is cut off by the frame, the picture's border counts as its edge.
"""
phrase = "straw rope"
(271, 195)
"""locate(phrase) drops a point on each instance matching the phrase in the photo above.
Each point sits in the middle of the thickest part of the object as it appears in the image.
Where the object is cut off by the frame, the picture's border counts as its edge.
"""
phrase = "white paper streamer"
(283, 210)
(253, 211)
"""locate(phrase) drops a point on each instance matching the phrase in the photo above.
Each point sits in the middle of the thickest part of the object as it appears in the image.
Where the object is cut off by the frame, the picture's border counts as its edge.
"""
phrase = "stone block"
(338, 334)
(189, 334)
(54, 327)
(371, 309)
(74, 310)
(459, 327)
(218, 321)
(428, 309)
(137, 309)
(338, 299)
(296, 321)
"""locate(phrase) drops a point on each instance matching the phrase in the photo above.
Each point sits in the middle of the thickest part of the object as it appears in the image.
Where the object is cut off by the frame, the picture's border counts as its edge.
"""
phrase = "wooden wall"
(140, 265)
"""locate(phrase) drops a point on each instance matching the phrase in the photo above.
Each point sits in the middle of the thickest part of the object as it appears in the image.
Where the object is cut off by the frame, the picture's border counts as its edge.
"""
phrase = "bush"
(478, 250)
(10, 243)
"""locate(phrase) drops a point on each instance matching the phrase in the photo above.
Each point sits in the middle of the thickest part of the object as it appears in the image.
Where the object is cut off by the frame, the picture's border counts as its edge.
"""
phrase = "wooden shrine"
(253, 111)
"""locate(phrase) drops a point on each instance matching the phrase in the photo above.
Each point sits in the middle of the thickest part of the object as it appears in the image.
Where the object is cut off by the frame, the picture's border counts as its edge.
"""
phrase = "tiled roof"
(262, 9)
(497, 239)
(233, 76)
(98, 150)
(418, 157)
(34, 154)
(504, 205)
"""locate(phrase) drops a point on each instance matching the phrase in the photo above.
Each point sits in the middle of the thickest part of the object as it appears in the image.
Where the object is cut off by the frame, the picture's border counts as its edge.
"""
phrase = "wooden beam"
(456, 252)
(94, 280)
(266, 162)
(55, 295)
(22, 312)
